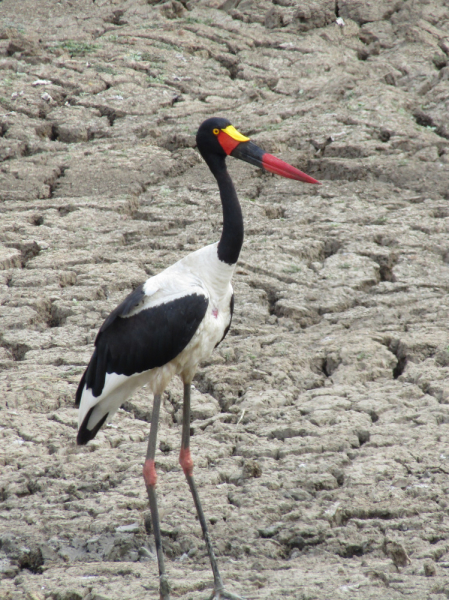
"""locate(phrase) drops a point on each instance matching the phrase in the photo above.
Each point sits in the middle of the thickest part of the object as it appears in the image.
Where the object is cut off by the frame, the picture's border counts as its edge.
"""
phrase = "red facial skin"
(227, 142)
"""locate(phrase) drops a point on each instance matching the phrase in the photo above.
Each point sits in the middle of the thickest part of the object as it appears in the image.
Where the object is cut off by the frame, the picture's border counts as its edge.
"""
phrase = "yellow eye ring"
(215, 131)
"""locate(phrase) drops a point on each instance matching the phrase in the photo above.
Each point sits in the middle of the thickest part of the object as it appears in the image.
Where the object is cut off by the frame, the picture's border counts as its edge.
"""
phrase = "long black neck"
(231, 239)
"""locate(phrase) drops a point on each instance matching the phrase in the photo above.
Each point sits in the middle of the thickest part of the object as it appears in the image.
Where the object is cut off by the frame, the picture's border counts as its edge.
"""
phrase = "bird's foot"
(222, 594)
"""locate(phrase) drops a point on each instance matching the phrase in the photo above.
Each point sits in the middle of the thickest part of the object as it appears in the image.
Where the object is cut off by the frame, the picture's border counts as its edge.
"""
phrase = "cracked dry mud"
(320, 425)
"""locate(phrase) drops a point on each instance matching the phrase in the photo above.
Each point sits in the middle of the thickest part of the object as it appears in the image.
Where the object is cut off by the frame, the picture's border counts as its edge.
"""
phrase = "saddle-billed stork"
(172, 322)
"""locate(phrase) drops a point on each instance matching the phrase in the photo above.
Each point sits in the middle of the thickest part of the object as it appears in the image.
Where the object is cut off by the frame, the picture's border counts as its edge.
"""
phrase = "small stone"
(10, 258)
(384, 135)
(444, 45)
(401, 482)
(144, 552)
(273, 18)
(69, 595)
(442, 131)
(362, 54)
(429, 568)
(165, 447)
(423, 119)
(440, 61)
(269, 532)
(251, 468)
(132, 528)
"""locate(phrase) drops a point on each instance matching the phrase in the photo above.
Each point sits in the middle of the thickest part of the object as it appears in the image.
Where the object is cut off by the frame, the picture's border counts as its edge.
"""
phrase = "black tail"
(79, 391)
(84, 434)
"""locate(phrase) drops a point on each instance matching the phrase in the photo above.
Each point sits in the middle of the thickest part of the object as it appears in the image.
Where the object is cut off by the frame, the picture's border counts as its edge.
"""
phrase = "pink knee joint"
(186, 461)
(149, 473)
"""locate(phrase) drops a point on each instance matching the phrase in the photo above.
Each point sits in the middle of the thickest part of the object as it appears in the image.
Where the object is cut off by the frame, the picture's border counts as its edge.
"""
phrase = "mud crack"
(397, 348)
(53, 182)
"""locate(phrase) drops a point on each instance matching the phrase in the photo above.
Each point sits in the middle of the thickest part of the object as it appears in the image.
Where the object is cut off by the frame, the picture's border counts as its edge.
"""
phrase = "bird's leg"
(186, 462)
(150, 477)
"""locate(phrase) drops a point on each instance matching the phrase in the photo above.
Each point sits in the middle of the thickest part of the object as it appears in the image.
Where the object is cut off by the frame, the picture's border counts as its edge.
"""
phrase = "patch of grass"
(149, 26)
(104, 69)
(18, 27)
(75, 48)
(156, 79)
(135, 56)
(164, 46)
(196, 20)
(145, 56)
(69, 373)
(292, 269)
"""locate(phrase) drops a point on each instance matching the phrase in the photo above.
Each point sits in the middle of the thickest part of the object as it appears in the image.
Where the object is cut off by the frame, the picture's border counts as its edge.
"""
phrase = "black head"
(206, 138)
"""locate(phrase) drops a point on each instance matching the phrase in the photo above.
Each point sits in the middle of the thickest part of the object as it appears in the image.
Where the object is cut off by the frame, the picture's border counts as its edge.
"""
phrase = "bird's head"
(217, 137)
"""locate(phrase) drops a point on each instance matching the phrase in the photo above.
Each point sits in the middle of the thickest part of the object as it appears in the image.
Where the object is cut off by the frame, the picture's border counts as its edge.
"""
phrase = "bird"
(320, 147)
(396, 552)
(172, 322)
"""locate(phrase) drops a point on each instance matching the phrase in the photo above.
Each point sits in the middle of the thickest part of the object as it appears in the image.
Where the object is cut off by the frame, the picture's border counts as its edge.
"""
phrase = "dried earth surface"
(321, 424)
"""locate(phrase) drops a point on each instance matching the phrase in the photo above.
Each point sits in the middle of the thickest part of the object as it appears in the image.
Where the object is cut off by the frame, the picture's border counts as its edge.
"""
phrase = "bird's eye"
(216, 131)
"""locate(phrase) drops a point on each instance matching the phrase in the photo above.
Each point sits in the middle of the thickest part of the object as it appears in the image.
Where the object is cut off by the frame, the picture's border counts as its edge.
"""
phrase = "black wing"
(150, 338)
(231, 308)
(131, 301)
